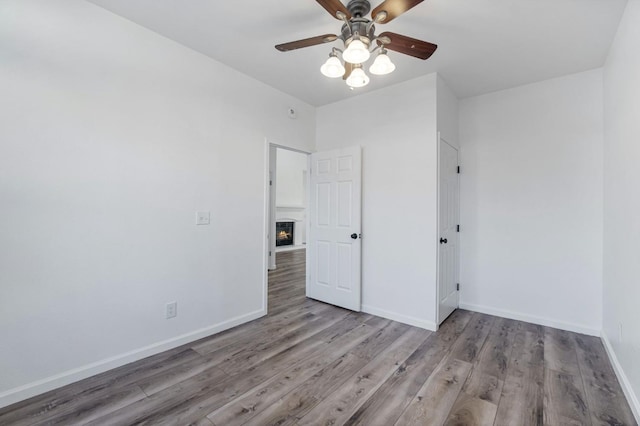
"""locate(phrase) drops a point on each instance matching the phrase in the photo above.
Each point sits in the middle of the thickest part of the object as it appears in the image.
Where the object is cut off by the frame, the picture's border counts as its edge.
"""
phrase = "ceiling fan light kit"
(358, 78)
(357, 52)
(382, 65)
(333, 68)
(358, 35)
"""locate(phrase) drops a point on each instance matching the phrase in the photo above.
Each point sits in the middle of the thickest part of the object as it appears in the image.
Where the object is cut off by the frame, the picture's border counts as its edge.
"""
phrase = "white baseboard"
(576, 328)
(622, 378)
(405, 319)
(280, 249)
(53, 382)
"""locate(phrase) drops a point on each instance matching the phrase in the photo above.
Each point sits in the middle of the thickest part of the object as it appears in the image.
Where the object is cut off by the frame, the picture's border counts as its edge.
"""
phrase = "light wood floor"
(308, 363)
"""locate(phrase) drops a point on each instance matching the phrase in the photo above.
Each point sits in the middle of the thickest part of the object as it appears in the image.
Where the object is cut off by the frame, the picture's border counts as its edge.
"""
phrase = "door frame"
(457, 148)
(266, 244)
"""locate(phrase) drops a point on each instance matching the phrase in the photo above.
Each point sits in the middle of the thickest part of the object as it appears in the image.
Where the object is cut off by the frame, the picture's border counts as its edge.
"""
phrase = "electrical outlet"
(171, 310)
(203, 218)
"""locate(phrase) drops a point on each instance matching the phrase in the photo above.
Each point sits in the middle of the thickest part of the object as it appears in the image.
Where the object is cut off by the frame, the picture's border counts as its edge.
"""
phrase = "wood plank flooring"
(308, 363)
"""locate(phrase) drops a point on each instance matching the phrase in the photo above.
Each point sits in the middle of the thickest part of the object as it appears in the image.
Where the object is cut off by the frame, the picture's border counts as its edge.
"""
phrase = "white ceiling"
(484, 45)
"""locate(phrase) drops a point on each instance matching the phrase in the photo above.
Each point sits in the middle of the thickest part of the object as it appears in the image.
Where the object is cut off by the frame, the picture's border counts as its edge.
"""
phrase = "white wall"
(290, 174)
(447, 113)
(397, 131)
(291, 191)
(531, 202)
(111, 138)
(622, 203)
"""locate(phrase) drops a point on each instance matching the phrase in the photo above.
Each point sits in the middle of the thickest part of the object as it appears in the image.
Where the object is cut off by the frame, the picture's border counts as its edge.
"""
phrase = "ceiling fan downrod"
(358, 8)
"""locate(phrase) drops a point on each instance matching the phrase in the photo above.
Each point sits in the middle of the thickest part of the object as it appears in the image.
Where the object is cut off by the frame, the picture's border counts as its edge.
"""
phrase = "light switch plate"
(203, 218)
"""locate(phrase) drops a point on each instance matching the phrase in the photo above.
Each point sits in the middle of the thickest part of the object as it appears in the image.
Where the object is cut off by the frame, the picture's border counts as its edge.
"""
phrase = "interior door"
(447, 225)
(334, 244)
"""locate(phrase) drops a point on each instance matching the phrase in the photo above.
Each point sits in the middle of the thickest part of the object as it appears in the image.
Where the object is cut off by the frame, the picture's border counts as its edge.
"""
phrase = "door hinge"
(270, 182)
(269, 252)
(457, 228)
(458, 169)
(458, 287)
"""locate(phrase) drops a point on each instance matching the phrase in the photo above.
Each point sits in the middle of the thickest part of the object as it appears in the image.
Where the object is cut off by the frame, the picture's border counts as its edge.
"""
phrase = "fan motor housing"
(359, 8)
(358, 25)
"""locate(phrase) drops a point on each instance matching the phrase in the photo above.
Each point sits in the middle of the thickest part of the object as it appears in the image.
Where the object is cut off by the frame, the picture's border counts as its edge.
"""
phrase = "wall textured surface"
(621, 328)
(112, 137)
(531, 198)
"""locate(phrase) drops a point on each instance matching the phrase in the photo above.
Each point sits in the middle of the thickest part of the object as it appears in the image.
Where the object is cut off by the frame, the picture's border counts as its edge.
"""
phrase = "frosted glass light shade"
(358, 78)
(332, 68)
(356, 53)
(382, 65)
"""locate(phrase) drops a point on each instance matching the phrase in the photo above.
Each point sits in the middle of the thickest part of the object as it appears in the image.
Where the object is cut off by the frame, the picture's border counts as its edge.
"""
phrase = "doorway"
(330, 226)
(448, 230)
(288, 201)
(287, 205)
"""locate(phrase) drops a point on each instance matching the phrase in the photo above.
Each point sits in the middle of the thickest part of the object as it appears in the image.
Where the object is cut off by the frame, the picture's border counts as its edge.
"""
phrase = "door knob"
(354, 236)
(443, 241)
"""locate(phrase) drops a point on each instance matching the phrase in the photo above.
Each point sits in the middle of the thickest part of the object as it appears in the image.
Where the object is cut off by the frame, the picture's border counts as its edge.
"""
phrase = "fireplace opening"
(284, 234)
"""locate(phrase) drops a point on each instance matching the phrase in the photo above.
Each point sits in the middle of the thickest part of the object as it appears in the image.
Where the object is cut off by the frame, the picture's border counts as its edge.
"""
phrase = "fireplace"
(284, 234)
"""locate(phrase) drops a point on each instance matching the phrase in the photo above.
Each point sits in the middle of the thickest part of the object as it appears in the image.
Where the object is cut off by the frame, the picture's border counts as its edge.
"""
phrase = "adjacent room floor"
(308, 363)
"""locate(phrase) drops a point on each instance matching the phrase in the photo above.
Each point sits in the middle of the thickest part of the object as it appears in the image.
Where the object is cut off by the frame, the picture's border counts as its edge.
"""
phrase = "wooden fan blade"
(333, 7)
(392, 9)
(348, 68)
(409, 46)
(311, 41)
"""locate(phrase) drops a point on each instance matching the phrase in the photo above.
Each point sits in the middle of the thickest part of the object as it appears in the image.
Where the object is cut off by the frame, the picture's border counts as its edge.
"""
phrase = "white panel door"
(333, 244)
(447, 225)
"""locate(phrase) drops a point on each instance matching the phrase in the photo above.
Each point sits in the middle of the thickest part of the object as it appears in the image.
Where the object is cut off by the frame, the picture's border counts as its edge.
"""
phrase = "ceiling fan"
(358, 35)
